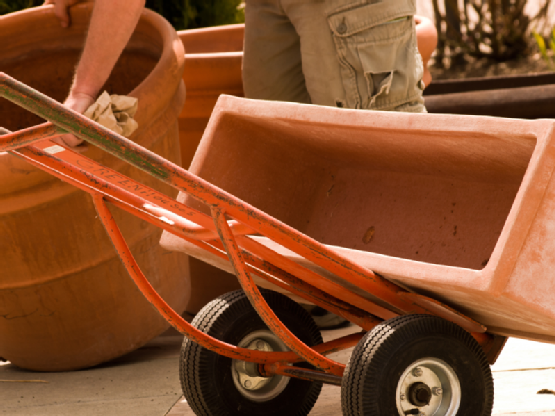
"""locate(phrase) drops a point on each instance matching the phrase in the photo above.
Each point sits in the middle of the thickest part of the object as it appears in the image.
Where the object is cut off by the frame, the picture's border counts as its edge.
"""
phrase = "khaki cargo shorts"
(346, 53)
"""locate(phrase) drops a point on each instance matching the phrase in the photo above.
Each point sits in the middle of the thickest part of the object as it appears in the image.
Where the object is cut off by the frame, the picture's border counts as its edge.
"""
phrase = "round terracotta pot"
(66, 301)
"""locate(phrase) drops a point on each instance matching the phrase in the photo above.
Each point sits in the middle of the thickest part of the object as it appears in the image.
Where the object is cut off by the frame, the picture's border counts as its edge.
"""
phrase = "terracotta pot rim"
(172, 58)
(213, 55)
(213, 39)
(232, 26)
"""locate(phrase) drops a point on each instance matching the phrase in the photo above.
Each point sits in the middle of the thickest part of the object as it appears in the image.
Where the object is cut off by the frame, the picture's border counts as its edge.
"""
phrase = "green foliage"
(10, 6)
(191, 14)
(182, 14)
(548, 57)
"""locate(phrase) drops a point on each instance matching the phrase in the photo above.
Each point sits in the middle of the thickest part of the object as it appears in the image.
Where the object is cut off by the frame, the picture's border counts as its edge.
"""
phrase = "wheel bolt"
(437, 391)
(403, 397)
(260, 345)
(248, 384)
(417, 372)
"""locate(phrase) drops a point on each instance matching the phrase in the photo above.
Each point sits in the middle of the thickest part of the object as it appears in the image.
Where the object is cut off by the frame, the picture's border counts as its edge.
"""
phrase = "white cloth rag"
(115, 112)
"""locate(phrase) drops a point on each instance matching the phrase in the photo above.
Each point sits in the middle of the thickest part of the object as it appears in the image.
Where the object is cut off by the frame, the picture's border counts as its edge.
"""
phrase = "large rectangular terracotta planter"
(459, 208)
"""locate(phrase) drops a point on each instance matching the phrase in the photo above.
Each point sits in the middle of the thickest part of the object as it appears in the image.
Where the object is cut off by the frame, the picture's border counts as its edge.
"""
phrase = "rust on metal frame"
(12, 141)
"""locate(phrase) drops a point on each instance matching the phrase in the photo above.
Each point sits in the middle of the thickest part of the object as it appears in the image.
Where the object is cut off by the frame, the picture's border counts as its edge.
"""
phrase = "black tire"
(208, 381)
(394, 368)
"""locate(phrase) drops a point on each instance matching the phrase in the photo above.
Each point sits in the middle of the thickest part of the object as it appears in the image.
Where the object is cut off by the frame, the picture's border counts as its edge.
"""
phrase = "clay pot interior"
(50, 71)
(436, 198)
(47, 64)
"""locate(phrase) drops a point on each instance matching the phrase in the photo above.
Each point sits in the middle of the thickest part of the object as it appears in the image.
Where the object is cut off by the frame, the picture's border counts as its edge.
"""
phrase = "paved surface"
(146, 383)
(143, 383)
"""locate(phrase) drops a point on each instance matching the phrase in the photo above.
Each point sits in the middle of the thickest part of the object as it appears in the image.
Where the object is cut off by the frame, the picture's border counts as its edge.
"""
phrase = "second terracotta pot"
(213, 67)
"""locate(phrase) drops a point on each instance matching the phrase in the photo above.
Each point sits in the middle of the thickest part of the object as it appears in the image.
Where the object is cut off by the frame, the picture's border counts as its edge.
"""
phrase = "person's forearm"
(112, 23)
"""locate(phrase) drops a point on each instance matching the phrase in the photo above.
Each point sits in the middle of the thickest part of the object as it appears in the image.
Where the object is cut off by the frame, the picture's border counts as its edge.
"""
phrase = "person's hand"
(78, 102)
(61, 10)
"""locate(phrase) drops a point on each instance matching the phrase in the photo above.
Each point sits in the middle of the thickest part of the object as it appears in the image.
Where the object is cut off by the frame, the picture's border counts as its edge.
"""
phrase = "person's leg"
(320, 66)
(272, 59)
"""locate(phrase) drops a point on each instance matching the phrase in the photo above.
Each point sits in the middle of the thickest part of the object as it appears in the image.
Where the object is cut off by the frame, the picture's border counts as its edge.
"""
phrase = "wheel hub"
(420, 394)
(246, 376)
(428, 387)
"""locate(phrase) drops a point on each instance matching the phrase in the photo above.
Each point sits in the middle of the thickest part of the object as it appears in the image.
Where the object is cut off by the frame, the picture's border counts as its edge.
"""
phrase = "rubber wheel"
(214, 385)
(417, 364)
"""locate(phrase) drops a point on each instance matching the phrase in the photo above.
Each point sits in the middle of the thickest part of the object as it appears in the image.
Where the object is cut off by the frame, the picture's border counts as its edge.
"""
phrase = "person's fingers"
(68, 140)
(81, 147)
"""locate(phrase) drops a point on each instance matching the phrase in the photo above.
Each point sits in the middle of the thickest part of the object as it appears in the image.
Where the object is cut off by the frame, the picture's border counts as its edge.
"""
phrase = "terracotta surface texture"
(455, 207)
(66, 302)
(213, 59)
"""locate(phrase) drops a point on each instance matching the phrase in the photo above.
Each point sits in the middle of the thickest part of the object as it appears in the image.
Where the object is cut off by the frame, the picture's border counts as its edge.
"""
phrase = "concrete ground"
(142, 383)
(146, 383)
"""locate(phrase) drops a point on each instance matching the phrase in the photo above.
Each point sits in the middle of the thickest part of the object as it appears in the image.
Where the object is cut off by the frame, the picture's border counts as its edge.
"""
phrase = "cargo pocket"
(376, 48)
(390, 69)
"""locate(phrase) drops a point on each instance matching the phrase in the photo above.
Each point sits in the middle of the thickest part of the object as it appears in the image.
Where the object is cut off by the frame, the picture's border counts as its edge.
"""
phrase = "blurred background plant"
(191, 14)
(182, 14)
(547, 49)
(10, 6)
(494, 29)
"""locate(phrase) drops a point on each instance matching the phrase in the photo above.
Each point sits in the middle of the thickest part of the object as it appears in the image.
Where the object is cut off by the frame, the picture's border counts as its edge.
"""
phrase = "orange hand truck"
(257, 352)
